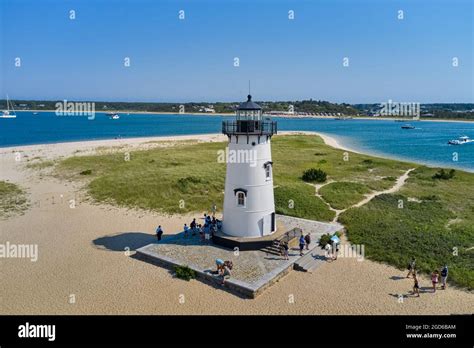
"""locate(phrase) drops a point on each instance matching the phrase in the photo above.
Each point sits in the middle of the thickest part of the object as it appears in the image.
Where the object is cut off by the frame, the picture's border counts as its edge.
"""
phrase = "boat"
(113, 115)
(461, 140)
(8, 113)
(408, 126)
(35, 113)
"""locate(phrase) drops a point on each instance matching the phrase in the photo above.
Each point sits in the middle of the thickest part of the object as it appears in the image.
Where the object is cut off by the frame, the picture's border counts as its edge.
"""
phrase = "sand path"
(367, 198)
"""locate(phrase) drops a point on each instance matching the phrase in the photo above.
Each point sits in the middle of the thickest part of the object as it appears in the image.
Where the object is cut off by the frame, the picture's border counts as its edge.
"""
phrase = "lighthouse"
(249, 205)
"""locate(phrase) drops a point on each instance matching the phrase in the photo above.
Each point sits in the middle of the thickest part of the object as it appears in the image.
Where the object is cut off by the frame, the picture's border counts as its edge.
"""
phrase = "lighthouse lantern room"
(249, 205)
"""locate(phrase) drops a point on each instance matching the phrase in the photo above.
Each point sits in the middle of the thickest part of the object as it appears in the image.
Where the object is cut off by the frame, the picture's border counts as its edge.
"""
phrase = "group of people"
(435, 277)
(206, 231)
(304, 242)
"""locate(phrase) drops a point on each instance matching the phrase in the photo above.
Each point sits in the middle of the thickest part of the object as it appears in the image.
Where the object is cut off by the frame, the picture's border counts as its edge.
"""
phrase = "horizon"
(173, 60)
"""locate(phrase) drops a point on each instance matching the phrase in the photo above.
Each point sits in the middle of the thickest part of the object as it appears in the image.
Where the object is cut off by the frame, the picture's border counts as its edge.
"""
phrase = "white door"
(267, 225)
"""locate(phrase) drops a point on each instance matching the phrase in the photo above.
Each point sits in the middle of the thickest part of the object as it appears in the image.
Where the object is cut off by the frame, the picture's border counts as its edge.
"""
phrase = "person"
(444, 276)
(336, 247)
(302, 243)
(186, 229)
(219, 264)
(201, 232)
(307, 239)
(328, 248)
(225, 271)
(416, 286)
(159, 232)
(285, 250)
(207, 232)
(193, 227)
(434, 279)
(411, 267)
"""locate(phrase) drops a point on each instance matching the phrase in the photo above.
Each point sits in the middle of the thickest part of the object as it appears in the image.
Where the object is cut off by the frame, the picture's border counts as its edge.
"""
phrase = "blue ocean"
(426, 144)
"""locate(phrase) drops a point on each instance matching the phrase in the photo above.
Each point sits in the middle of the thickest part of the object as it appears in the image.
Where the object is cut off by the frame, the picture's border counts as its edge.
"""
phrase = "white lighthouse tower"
(249, 206)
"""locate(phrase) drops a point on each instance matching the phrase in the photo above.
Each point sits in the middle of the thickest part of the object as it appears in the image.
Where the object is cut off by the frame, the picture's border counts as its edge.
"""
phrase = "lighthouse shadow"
(124, 241)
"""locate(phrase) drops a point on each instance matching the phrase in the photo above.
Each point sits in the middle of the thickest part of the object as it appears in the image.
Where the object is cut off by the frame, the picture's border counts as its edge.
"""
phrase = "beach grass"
(13, 199)
(435, 223)
(342, 195)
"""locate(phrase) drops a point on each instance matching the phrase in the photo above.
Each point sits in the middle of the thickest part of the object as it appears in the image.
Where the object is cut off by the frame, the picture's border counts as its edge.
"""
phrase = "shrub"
(184, 272)
(325, 239)
(313, 174)
(444, 175)
(86, 172)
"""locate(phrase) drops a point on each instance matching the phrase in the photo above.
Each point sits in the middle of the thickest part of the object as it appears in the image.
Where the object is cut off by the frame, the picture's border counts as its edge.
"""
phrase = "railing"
(249, 127)
(290, 235)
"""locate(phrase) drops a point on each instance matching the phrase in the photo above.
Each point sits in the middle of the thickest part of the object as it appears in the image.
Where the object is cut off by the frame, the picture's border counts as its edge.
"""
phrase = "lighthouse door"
(267, 224)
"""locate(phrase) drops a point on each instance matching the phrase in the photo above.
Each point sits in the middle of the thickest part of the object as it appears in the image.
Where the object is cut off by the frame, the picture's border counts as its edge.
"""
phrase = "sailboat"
(8, 113)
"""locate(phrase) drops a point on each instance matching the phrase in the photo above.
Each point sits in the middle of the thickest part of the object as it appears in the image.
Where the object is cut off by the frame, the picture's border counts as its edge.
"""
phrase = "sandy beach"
(85, 266)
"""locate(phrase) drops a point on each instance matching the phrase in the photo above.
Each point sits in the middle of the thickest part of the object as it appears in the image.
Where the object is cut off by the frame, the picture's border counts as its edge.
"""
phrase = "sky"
(193, 59)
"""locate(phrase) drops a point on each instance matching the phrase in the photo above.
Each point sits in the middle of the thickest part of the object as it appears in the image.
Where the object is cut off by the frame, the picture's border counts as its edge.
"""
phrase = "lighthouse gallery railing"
(249, 127)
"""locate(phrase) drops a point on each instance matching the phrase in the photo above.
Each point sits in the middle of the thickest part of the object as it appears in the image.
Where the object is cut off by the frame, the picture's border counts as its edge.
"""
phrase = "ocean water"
(426, 144)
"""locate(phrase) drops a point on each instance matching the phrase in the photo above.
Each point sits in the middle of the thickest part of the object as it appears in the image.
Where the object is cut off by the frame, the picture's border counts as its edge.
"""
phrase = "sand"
(83, 256)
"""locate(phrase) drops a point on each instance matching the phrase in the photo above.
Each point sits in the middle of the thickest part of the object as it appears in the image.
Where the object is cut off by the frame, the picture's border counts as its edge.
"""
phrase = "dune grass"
(341, 195)
(436, 219)
(12, 199)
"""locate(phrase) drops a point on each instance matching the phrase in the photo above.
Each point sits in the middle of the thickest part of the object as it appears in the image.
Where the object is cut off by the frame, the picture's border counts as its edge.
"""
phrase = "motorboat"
(461, 140)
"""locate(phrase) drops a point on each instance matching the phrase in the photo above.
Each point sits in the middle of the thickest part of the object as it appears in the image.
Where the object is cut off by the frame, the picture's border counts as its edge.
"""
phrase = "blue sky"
(175, 60)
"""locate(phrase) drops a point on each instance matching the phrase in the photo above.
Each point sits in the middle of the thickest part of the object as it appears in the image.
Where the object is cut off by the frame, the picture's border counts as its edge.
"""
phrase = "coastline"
(52, 151)
(225, 114)
(62, 149)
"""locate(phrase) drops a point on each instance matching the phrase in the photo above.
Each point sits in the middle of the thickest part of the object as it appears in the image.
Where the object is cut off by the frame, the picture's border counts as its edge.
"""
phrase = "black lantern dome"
(249, 121)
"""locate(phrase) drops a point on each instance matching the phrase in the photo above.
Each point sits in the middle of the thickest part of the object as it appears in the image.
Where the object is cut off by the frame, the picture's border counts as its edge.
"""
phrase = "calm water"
(425, 144)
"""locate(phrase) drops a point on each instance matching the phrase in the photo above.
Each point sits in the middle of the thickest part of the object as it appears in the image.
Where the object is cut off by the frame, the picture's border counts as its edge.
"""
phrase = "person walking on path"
(416, 286)
(444, 276)
(302, 244)
(159, 233)
(307, 239)
(434, 279)
(411, 267)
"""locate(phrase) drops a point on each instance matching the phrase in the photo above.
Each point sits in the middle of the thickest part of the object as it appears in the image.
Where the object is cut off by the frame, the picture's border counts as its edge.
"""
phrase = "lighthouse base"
(243, 244)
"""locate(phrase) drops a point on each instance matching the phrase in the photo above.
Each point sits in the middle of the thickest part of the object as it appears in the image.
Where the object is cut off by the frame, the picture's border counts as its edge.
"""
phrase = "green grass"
(341, 195)
(299, 200)
(437, 230)
(164, 179)
(12, 199)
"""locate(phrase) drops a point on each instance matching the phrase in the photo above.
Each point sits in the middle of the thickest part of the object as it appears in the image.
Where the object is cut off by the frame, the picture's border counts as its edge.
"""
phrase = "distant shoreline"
(378, 118)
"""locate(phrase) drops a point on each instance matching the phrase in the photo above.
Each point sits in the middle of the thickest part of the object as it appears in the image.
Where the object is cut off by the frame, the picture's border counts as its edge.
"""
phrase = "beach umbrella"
(335, 239)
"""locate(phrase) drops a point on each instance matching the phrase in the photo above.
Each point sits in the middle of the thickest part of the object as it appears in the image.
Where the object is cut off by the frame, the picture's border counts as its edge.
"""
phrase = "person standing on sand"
(444, 276)
(411, 267)
(434, 279)
(416, 286)
(159, 232)
(307, 239)
(302, 244)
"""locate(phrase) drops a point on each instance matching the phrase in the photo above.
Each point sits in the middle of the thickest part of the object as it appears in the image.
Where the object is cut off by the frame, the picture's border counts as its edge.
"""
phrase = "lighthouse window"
(241, 199)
